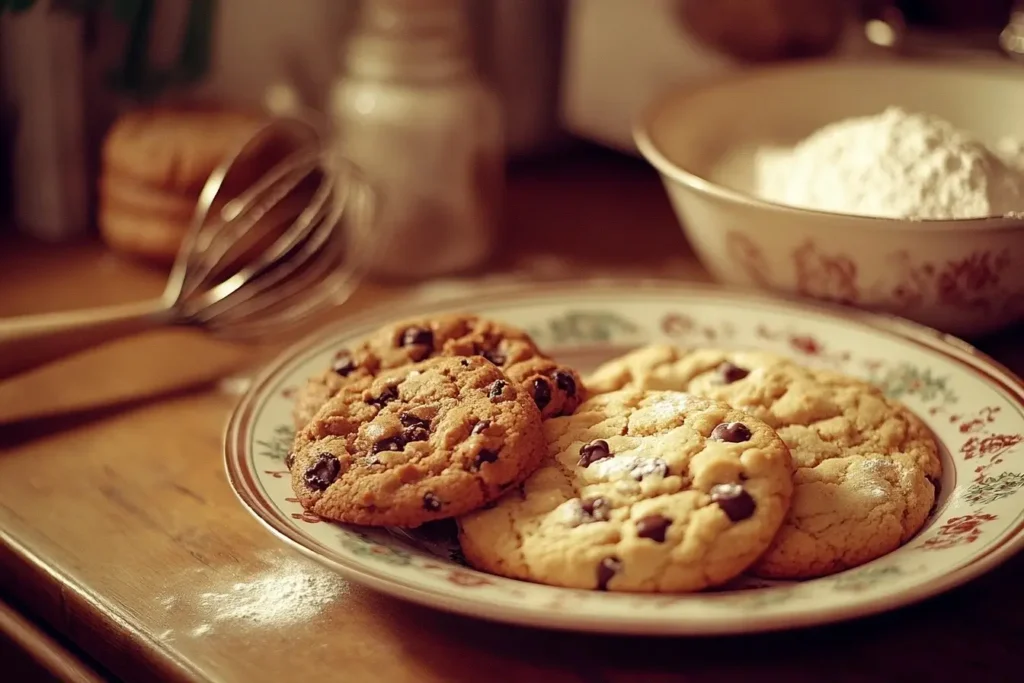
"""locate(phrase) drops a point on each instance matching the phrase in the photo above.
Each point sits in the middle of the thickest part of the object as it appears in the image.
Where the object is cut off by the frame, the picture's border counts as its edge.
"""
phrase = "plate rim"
(991, 371)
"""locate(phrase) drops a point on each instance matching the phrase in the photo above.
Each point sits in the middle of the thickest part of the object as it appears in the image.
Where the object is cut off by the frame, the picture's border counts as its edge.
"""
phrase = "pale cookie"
(425, 442)
(175, 148)
(125, 194)
(641, 491)
(149, 236)
(556, 389)
(866, 465)
(141, 220)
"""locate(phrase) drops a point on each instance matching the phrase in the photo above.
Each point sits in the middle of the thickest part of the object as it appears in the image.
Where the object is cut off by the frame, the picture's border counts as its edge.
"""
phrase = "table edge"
(84, 619)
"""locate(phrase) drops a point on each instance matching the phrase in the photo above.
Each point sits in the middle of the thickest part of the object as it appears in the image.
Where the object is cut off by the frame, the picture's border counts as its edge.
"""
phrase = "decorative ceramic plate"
(974, 406)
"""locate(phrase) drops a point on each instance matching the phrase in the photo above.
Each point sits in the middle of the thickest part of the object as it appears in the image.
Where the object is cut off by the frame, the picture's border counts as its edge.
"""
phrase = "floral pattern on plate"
(975, 409)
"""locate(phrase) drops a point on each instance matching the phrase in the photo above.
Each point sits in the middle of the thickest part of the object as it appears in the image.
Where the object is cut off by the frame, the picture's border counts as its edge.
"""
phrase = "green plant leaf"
(125, 10)
(196, 46)
(135, 62)
(18, 5)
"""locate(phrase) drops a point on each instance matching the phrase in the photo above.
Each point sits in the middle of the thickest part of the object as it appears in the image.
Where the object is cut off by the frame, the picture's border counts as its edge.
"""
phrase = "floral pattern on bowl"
(975, 408)
(978, 283)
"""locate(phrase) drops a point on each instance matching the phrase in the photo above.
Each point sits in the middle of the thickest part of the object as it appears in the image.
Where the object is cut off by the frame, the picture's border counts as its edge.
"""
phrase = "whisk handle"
(27, 342)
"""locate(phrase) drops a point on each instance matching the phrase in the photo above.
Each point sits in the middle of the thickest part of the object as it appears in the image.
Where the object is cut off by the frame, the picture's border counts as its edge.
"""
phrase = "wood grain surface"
(118, 529)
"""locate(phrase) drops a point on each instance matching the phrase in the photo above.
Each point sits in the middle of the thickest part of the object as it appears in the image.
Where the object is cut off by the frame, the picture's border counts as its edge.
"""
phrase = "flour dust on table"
(284, 590)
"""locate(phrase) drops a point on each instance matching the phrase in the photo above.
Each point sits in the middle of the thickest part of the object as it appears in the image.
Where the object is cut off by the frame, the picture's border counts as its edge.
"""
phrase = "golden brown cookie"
(428, 441)
(123, 193)
(175, 148)
(149, 236)
(641, 491)
(865, 464)
(155, 163)
(136, 219)
(556, 389)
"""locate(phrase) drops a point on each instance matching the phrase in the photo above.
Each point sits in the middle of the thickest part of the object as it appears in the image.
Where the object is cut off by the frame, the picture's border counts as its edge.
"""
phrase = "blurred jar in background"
(956, 15)
(766, 30)
(411, 109)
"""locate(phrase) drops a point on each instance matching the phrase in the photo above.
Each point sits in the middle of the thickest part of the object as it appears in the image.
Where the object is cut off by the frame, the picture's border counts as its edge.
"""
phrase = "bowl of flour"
(895, 187)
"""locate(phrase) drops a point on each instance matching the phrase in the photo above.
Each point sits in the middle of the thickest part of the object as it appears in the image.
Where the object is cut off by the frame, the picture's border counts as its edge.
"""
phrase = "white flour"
(286, 590)
(895, 164)
(1011, 151)
(289, 591)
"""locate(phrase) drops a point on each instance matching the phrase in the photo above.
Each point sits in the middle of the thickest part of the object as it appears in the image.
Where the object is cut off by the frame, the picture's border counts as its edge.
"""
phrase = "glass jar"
(411, 109)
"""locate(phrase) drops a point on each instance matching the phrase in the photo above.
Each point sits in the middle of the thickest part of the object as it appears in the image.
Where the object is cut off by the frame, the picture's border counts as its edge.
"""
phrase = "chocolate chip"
(431, 503)
(480, 426)
(418, 336)
(416, 434)
(323, 472)
(735, 502)
(653, 527)
(410, 420)
(344, 365)
(594, 451)
(497, 389)
(495, 356)
(565, 382)
(395, 443)
(416, 428)
(730, 372)
(649, 467)
(606, 569)
(731, 432)
(289, 460)
(541, 392)
(485, 455)
(597, 509)
(389, 394)
(464, 362)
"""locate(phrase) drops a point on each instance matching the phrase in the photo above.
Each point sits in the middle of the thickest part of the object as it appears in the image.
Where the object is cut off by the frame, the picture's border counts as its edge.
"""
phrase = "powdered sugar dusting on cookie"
(878, 465)
(569, 513)
(881, 478)
(670, 404)
(610, 469)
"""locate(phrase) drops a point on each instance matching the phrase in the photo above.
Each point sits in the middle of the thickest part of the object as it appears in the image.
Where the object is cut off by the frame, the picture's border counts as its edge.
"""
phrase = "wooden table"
(117, 524)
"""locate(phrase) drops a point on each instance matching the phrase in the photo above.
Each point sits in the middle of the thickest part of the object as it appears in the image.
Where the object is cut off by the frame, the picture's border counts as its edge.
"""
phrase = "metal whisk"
(266, 250)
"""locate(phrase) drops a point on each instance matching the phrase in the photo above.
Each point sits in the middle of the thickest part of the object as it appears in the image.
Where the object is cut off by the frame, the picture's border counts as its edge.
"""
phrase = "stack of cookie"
(669, 470)
(155, 163)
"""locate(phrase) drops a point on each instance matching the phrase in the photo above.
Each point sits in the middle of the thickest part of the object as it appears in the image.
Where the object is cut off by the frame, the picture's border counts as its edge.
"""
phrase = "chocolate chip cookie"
(641, 491)
(420, 443)
(865, 465)
(556, 389)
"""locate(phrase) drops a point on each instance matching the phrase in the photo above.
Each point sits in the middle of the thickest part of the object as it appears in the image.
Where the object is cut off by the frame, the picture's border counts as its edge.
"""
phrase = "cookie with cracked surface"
(557, 389)
(866, 466)
(640, 491)
(428, 441)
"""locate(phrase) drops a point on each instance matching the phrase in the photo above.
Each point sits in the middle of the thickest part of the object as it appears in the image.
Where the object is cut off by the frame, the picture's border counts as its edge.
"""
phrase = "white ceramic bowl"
(961, 276)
